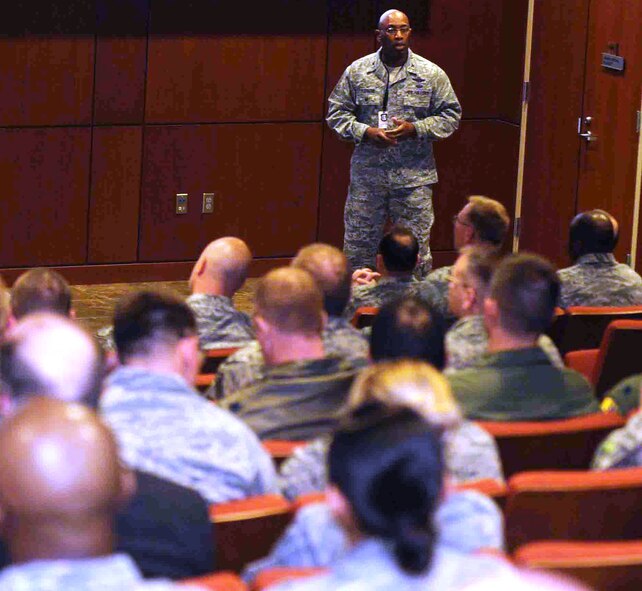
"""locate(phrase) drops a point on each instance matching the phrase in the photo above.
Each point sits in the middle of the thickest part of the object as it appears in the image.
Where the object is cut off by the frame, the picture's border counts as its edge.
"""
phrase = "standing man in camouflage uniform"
(392, 104)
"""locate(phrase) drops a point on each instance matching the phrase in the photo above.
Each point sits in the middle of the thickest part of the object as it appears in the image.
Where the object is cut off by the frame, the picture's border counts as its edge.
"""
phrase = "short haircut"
(290, 300)
(489, 219)
(147, 320)
(40, 290)
(388, 464)
(399, 249)
(408, 327)
(526, 289)
(592, 232)
(482, 260)
(330, 269)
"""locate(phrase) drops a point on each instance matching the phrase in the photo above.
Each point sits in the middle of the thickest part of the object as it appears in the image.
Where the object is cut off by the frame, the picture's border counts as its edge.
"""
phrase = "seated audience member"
(48, 355)
(622, 448)
(302, 389)
(40, 290)
(596, 278)
(515, 380)
(60, 486)
(162, 424)
(470, 452)
(329, 268)
(624, 397)
(397, 258)
(386, 475)
(219, 273)
(481, 222)
(470, 280)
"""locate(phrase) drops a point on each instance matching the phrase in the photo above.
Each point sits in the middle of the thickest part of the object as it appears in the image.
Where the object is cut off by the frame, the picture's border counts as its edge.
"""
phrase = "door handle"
(588, 136)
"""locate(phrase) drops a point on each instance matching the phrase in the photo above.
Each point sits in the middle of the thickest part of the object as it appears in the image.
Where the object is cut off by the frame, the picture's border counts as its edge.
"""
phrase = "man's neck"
(210, 287)
(394, 60)
(294, 348)
(499, 340)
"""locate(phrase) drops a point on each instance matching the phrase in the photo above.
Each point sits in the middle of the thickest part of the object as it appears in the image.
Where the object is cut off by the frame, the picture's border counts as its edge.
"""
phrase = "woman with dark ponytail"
(386, 477)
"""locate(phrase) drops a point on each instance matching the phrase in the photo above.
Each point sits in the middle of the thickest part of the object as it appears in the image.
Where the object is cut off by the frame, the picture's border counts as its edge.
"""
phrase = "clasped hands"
(390, 137)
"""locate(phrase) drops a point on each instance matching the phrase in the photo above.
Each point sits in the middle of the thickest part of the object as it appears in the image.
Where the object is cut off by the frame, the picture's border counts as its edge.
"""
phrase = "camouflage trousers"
(366, 211)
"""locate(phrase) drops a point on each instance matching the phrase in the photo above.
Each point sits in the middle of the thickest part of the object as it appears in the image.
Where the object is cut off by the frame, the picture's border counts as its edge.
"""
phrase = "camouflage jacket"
(434, 289)
(422, 94)
(106, 573)
(165, 427)
(377, 294)
(622, 448)
(467, 341)
(470, 454)
(218, 322)
(466, 522)
(599, 280)
(246, 366)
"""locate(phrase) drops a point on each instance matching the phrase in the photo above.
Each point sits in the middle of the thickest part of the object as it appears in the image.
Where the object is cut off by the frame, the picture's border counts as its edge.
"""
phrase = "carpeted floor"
(94, 304)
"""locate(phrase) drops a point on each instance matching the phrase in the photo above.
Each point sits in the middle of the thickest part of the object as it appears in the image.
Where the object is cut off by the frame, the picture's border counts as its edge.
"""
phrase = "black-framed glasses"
(403, 29)
(457, 219)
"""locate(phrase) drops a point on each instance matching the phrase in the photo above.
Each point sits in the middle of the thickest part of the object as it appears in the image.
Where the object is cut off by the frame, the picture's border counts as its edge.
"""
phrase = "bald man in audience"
(61, 485)
(330, 269)
(303, 389)
(218, 274)
(163, 424)
(481, 222)
(40, 290)
(49, 355)
(595, 278)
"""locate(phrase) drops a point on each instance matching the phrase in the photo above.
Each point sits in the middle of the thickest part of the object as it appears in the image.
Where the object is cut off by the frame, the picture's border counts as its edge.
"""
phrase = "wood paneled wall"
(110, 108)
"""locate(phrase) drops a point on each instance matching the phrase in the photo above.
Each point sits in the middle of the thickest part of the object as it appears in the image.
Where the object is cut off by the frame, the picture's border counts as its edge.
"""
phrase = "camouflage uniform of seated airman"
(597, 279)
(218, 322)
(434, 288)
(467, 341)
(392, 181)
(377, 294)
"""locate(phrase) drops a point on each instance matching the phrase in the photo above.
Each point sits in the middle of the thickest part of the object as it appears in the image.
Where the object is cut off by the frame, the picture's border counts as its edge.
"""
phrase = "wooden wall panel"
(115, 194)
(45, 181)
(265, 177)
(120, 79)
(46, 81)
(550, 174)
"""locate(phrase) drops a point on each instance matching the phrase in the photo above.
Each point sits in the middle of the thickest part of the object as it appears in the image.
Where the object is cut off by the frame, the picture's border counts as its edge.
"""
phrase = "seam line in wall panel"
(91, 148)
(325, 90)
(143, 133)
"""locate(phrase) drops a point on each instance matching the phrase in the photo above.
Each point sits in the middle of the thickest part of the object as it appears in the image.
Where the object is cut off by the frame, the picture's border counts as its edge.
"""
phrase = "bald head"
(222, 267)
(594, 231)
(330, 269)
(48, 355)
(60, 481)
(392, 15)
(290, 301)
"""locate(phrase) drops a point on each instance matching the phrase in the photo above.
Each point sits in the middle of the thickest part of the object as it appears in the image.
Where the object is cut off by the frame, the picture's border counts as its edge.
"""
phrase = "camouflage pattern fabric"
(434, 289)
(106, 573)
(599, 280)
(218, 322)
(378, 294)
(466, 522)
(423, 95)
(622, 448)
(163, 426)
(246, 366)
(470, 454)
(467, 341)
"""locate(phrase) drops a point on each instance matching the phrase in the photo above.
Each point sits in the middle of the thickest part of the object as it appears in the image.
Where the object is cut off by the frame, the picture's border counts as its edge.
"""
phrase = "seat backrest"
(217, 582)
(364, 316)
(574, 506)
(568, 444)
(281, 449)
(582, 327)
(619, 355)
(272, 576)
(246, 529)
(607, 566)
(214, 357)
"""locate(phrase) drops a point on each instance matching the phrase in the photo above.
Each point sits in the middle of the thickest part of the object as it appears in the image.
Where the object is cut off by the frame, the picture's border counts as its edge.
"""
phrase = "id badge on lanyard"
(382, 117)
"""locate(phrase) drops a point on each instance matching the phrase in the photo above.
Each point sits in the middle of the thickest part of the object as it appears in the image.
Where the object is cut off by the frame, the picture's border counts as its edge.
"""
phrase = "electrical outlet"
(208, 202)
(181, 203)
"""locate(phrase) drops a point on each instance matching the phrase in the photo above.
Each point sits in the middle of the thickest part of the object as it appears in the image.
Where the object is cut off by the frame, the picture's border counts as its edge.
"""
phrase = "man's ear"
(379, 264)
(189, 357)
(491, 312)
(261, 325)
(128, 486)
(338, 505)
(324, 319)
(72, 313)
